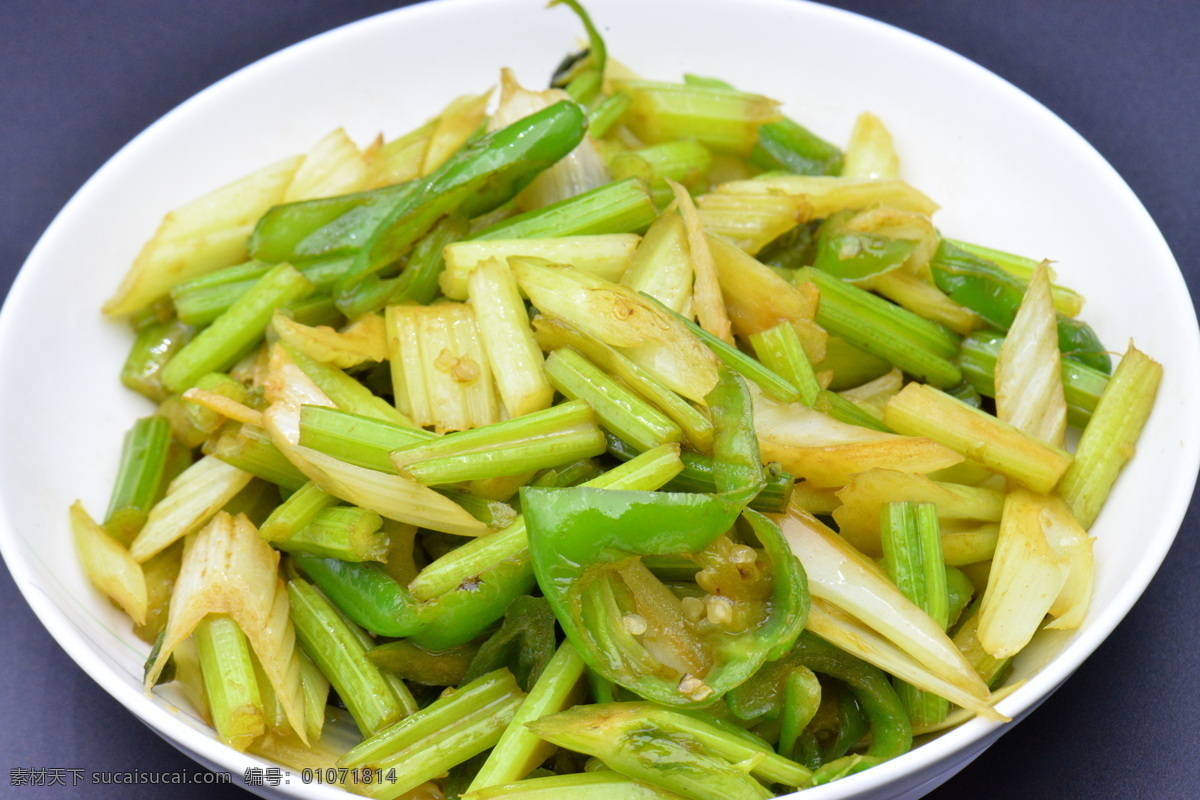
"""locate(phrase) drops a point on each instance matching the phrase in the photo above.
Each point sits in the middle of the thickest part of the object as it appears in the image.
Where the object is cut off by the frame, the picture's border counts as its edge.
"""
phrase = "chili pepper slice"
(374, 600)
(586, 547)
(891, 732)
(525, 643)
(995, 295)
(380, 225)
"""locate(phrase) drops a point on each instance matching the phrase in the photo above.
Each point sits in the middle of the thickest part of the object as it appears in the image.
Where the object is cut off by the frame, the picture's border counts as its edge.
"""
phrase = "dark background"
(80, 78)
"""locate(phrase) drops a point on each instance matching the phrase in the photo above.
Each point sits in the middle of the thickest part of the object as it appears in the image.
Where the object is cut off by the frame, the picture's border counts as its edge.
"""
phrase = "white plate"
(1002, 166)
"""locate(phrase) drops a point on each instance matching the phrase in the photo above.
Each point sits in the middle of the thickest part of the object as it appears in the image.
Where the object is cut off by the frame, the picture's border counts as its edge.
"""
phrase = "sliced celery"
(622, 206)
(229, 681)
(140, 477)
(1109, 438)
(339, 648)
(342, 532)
(780, 349)
(155, 345)
(607, 114)
(550, 438)
(718, 117)
(1082, 385)
(915, 345)
(239, 328)
(250, 449)
(447, 732)
(519, 751)
(912, 553)
(920, 410)
(739, 362)
(345, 392)
(361, 440)
(618, 409)
(553, 333)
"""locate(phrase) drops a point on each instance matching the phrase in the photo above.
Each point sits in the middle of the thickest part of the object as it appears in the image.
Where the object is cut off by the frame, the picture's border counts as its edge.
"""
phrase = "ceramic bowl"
(1007, 172)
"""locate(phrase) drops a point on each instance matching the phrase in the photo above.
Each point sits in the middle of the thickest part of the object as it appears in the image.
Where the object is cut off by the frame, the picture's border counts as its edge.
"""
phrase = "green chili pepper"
(482, 175)
(586, 546)
(379, 226)
(764, 694)
(852, 726)
(416, 283)
(788, 145)
(851, 255)
(525, 643)
(995, 295)
(583, 79)
(325, 227)
(697, 476)
(737, 464)
(374, 600)
(418, 665)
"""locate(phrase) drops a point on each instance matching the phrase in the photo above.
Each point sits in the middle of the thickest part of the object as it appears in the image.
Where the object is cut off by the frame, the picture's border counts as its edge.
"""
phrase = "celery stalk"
(343, 532)
(913, 560)
(751, 221)
(231, 335)
(603, 255)
(339, 648)
(553, 333)
(603, 785)
(508, 341)
(966, 638)
(913, 344)
(1082, 385)
(780, 349)
(627, 737)
(295, 512)
(519, 751)
(250, 449)
(229, 681)
(723, 119)
(850, 366)
(364, 441)
(662, 265)
(139, 483)
(155, 345)
(449, 731)
(109, 566)
(622, 206)
(1108, 440)
(920, 410)
(767, 380)
(618, 409)
(191, 501)
(345, 392)
(549, 438)
(605, 115)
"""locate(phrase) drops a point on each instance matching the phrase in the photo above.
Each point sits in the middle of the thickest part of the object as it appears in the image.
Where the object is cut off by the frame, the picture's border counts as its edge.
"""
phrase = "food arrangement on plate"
(629, 440)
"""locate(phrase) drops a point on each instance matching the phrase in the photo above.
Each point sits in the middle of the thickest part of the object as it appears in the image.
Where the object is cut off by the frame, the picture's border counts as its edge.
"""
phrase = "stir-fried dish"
(617, 439)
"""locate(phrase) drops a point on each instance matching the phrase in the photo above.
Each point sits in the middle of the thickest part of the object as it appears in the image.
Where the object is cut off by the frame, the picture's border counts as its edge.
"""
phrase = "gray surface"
(82, 78)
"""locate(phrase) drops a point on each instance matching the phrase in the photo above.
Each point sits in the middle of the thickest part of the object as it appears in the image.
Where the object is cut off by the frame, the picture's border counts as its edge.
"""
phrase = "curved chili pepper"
(525, 643)
(581, 539)
(476, 179)
(891, 731)
(380, 225)
(995, 295)
(370, 597)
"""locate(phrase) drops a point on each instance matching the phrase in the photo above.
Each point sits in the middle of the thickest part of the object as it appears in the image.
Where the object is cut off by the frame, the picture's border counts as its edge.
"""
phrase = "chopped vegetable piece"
(1108, 440)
